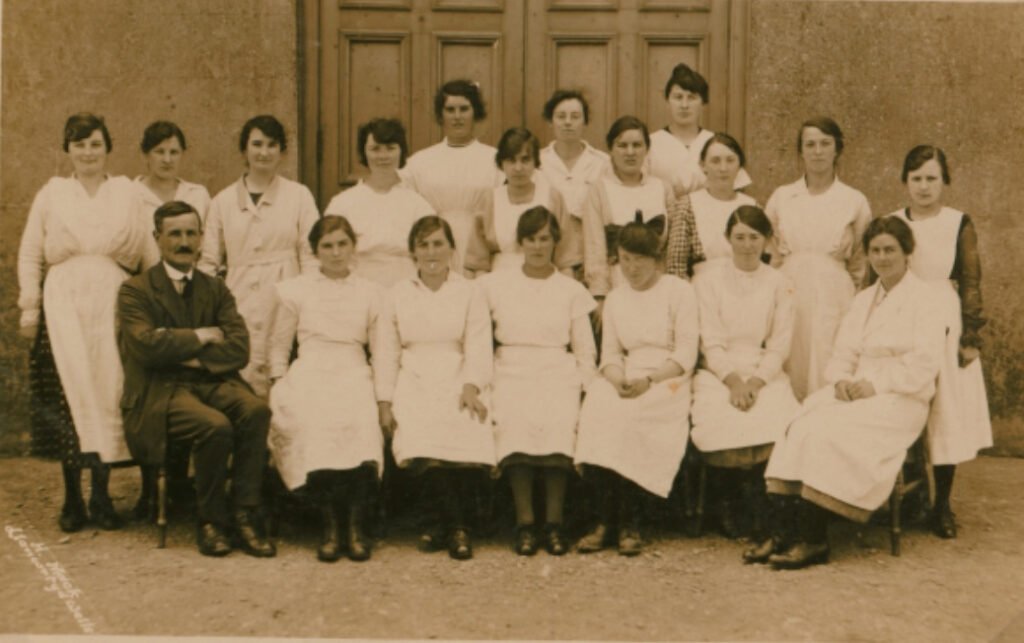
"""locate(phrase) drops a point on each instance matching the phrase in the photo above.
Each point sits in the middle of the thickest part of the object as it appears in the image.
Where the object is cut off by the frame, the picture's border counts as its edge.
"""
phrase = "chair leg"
(895, 501)
(161, 506)
(702, 488)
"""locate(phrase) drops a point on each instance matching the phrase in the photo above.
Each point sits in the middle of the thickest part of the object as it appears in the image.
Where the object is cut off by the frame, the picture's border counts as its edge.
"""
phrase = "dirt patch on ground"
(969, 589)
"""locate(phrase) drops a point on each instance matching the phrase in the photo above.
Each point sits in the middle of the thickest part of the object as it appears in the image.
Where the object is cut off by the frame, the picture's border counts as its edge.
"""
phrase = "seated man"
(182, 343)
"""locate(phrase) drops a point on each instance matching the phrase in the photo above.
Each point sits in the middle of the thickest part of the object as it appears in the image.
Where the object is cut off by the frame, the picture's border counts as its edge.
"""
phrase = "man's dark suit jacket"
(155, 336)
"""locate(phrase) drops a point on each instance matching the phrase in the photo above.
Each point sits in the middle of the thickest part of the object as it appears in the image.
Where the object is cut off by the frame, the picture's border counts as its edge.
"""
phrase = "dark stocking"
(813, 523)
(943, 485)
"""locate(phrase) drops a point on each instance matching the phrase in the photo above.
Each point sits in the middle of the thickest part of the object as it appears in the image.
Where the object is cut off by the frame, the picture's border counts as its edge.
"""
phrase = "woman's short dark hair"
(81, 126)
(468, 89)
(536, 219)
(688, 80)
(426, 226)
(624, 124)
(512, 143)
(271, 128)
(894, 226)
(752, 217)
(642, 238)
(385, 131)
(921, 155)
(158, 132)
(562, 95)
(327, 224)
(827, 126)
(726, 140)
(173, 209)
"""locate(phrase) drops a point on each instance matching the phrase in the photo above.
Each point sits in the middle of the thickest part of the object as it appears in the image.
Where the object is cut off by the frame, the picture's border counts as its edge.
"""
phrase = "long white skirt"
(536, 401)
(719, 426)
(845, 456)
(426, 408)
(824, 291)
(80, 300)
(324, 414)
(642, 439)
(958, 421)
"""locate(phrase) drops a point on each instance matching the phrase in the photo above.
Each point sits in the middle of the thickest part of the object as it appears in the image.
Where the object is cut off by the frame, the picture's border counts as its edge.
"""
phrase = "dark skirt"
(53, 430)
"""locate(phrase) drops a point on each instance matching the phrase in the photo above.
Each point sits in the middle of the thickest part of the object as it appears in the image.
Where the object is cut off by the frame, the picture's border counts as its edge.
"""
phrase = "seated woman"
(325, 431)
(433, 366)
(545, 359)
(494, 246)
(708, 208)
(844, 449)
(742, 400)
(381, 208)
(634, 423)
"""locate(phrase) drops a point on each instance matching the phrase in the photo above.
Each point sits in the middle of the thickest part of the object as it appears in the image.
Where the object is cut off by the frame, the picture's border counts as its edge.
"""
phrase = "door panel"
(387, 58)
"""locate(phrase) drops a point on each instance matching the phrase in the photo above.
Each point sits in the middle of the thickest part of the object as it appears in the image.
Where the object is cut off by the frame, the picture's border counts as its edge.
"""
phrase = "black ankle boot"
(330, 548)
(358, 543)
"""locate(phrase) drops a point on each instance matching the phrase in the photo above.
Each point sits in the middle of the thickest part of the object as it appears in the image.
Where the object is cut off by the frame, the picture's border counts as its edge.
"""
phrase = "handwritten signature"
(54, 575)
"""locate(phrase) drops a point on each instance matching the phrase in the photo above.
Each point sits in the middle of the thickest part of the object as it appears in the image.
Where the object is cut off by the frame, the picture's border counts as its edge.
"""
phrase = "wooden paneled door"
(367, 58)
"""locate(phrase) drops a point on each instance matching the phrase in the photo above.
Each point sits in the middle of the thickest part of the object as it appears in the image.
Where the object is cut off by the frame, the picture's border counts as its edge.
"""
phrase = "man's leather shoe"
(249, 537)
(630, 543)
(943, 523)
(459, 546)
(594, 541)
(554, 539)
(212, 541)
(799, 556)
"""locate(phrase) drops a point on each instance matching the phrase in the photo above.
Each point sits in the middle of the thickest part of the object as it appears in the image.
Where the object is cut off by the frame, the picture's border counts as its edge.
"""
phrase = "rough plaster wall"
(895, 75)
(208, 65)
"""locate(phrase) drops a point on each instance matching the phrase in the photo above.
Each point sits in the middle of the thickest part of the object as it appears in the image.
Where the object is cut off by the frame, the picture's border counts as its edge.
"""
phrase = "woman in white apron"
(433, 367)
(494, 247)
(635, 420)
(676, 148)
(256, 235)
(708, 208)
(571, 164)
(842, 452)
(742, 400)
(82, 238)
(818, 222)
(544, 360)
(457, 173)
(325, 430)
(947, 254)
(381, 207)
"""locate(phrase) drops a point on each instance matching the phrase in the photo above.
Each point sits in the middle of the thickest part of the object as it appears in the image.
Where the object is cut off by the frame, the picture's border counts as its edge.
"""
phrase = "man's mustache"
(184, 249)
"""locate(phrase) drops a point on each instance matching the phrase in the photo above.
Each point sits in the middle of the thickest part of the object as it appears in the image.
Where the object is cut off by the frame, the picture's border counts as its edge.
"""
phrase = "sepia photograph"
(511, 320)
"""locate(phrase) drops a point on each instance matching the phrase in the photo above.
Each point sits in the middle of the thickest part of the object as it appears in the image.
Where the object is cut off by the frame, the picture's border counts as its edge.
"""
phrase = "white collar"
(177, 275)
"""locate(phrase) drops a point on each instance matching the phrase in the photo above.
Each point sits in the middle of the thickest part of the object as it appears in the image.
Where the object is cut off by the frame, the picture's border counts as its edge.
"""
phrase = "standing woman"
(843, 451)
(256, 235)
(163, 145)
(324, 431)
(433, 368)
(710, 207)
(742, 400)
(457, 173)
(381, 208)
(947, 253)
(615, 199)
(569, 163)
(635, 419)
(82, 238)
(544, 360)
(818, 222)
(496, 247)
(676, 149)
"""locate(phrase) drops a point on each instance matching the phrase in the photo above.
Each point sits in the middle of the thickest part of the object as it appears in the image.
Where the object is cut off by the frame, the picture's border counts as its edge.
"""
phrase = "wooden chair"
(917, 458)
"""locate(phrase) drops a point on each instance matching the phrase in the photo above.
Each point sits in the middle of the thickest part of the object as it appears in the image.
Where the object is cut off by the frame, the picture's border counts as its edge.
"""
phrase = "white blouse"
(678, 164)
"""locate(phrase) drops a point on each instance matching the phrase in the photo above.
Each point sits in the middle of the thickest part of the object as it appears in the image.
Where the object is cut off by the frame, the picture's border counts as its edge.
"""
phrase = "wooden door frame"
(309, 60)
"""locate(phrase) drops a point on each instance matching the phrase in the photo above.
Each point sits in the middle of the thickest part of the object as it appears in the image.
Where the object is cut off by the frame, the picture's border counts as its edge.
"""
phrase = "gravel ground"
(970, 589)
